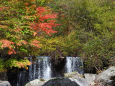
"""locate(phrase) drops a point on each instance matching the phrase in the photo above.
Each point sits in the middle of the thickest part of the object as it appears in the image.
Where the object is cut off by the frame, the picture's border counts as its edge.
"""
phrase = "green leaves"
(22, 49)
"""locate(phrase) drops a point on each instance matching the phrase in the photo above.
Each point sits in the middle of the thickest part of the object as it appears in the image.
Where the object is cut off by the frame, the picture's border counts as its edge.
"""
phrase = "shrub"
(93, 23)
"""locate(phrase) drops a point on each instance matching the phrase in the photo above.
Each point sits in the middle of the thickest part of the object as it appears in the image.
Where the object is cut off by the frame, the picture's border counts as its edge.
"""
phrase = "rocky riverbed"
(105, 78)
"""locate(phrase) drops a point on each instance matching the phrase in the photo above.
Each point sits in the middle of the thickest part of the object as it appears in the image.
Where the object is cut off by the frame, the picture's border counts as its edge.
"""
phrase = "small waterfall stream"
(42, 68)
(74, 64)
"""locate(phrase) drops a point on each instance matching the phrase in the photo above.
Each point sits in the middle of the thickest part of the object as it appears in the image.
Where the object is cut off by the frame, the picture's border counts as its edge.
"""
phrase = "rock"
(36, 82)
(107, 77)
(90, 78)
(73, 75)
(78, 78)
(4, 83)
(69, 79)
(61, 82)
(3, 76)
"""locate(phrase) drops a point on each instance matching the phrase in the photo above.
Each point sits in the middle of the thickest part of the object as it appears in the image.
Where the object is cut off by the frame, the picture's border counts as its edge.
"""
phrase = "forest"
(57, 28)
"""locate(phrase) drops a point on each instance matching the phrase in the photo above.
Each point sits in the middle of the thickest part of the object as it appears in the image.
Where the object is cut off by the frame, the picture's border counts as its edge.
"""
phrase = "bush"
(97, 53)
(93, 22)
(2, 65)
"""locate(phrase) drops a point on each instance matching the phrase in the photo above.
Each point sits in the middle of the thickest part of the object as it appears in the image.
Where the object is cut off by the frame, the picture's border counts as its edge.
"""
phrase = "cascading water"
(41, 68)
(74, 64)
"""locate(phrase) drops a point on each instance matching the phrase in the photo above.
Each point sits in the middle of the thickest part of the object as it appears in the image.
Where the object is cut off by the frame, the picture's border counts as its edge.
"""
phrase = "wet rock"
(3, 76)
(4, 83)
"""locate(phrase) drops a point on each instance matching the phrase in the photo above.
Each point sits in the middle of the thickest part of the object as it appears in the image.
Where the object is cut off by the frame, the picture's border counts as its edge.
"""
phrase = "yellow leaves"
(23, 63)
(3, 26)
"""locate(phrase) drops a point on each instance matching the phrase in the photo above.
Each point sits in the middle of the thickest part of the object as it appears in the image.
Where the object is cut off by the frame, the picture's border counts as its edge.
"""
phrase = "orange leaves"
(22, 42)
(23, 64)
(8, 44)
(35, 43)
(11, 51)
(2, 8)
(17, 30)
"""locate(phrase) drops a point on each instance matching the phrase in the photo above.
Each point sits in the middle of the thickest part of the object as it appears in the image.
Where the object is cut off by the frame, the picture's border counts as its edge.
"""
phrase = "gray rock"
(105, 78)
(78, 78)
(90, 78)
(36, 82)
(4, 83)
(70, 79)
(107, 74)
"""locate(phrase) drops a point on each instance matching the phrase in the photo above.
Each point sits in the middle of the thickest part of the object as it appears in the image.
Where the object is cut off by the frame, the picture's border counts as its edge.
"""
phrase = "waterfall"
(41, 68)
(74, 64)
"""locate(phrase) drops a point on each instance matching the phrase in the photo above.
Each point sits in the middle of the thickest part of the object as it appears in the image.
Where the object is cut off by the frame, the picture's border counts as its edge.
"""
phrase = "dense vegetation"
(84, 28)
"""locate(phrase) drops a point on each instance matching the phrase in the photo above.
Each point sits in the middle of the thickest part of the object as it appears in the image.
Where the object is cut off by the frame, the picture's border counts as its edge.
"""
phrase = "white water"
(41, 68)
(73, 64)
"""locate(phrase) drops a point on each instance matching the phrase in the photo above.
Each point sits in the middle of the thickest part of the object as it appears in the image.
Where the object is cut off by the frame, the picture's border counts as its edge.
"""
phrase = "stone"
(61, 82)
(78, 78)
(73, 75)
(107, 77)
(4, 83)
(90, 78)
(36, 82)
(3, 76)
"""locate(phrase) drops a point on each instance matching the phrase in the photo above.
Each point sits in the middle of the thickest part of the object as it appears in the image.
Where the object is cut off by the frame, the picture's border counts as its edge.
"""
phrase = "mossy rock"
(73, 74)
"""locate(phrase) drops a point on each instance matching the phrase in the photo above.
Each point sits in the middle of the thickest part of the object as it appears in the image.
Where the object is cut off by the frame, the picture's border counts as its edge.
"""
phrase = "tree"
(21, 24)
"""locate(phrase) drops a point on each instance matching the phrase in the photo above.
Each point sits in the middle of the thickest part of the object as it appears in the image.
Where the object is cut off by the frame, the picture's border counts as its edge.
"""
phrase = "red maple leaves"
(46, 21)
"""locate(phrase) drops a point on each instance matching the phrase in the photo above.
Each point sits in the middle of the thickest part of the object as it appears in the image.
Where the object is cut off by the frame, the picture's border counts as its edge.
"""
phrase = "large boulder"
(61, 82)
(107, 77)
(69, 79)
(4, 83)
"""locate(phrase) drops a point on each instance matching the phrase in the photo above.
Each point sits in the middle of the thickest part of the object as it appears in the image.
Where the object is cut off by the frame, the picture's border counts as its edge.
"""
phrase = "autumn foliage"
(21, 26)
(46, 21)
